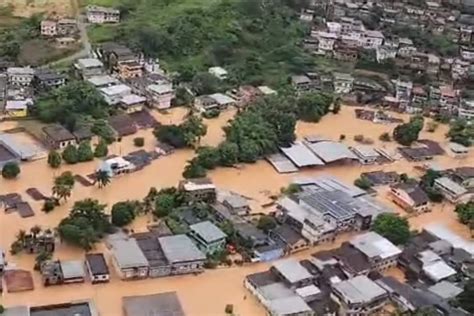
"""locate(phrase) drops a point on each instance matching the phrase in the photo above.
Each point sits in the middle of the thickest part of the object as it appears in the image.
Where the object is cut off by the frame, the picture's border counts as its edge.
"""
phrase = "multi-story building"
(380, 252)
(128, 259)
(359, 296)
(200, 189)
(160, 95)
(49, 28)
(89, 67)
(410, 197)
(209, 237)
(101, 15)
(20, 76)
(452, 191)
(466, 109)
(343, 83)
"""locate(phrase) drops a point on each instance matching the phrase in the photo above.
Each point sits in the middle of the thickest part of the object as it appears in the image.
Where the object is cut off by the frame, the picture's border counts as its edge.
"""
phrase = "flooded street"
(206, 294)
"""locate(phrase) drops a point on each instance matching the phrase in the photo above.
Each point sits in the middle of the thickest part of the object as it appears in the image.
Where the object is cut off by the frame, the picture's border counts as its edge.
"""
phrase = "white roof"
(193, 186)
(445, 289)
(222, 99)
(359, 290)
(72, 269)
(452, 186)
(458, 148)
(102, 80)
(218, 70)
(301, 156)
(18, 104)
(374, 245)
(376, 34)
(293, 305)
(20, 71)
(132, 99)
(326, 35)
(120, 161)
(128, 254)
(443, 232)
(309, 290)
(365, 151)
(161, 88)
(292, 270)
(89, 63)
(115, 90)
(438, 271)
(266, 90)
(330, 151)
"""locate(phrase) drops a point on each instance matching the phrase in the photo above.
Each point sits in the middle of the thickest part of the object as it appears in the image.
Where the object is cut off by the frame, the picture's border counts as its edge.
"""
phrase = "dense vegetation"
(85, 225)
(427, 184)
(10, 170)
(393, 227)
(186, 134)
(466, 213)
(461, 132)
(13, 36)
(259, 130)
(257, 41)
(72, 104)
(407, 133)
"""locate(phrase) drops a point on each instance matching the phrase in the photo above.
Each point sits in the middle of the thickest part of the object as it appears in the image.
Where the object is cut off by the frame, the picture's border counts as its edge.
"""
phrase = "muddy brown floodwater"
(206, 294)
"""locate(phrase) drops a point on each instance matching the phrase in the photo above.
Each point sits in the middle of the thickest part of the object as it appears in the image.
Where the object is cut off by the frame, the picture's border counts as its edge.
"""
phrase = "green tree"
(266, 223)
(208, 157)
(205, 83)
(139, 141)
(84, 152)
(101, 149)
(66, 104)
(336, 107)
(103, 129)
(406, 134)
(49, 205)
(194, 170)
(54, 159)
(465, 299)
(393, 227)
(164, 204)
(123, 213)
(465, 212)
(171, 134)
(313, 106)
(229, 154)
(85, 225)
(193, 129)
(10, 170)
(70, 154)
(461, 132)
(249, 151)
(363, 183)
(102, 178)
(63, 185)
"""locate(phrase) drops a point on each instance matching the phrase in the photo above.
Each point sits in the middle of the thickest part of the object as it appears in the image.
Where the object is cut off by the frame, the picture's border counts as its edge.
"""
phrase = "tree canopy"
(70, 103)
(393, 227)
(123, 213)
(461, 132)
(187, 134)
(465, 299)
(465, 212)
(85, 225)
(256, 41)
(407, 133)
(10, 170)
(54, 159)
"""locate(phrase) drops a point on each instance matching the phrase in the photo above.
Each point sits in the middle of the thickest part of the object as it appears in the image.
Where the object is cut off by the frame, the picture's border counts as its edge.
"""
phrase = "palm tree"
(62, 191)
(102, 178)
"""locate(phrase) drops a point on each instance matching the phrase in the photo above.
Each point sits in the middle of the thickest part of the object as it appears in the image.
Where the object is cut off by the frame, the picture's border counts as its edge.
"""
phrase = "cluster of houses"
(63, 30)
(350, 280)
(455, 185)
(18, 86)
(344, 30)
(167, 303)
(318, 151)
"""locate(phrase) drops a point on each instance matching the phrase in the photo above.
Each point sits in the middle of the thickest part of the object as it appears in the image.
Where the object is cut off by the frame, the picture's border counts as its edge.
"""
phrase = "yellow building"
(17, 108)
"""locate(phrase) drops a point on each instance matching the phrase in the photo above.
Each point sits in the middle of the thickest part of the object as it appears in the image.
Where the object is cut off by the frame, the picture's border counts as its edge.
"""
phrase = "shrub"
(342, 137)
(359, 138)
(10, 170)
(385, 137)
(139, 141)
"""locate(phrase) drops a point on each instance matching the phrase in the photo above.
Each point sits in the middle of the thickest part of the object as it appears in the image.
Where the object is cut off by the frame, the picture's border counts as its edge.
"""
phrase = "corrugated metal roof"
(330, 151)
(301, 156)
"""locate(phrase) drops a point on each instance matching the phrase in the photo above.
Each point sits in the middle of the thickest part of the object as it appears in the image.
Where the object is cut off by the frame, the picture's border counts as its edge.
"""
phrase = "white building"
(379, 251)
(326, 41)
(452, 191)
(219, 72)
(103, 81)
(116, 166)
(372, 39)
(161, 95)
(89, 67)
(466, 110)
(114, 94)
(101, 15)
(20, 76)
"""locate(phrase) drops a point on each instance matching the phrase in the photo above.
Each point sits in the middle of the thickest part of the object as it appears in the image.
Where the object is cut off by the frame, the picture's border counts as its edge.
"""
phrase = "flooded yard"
(206, 294)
